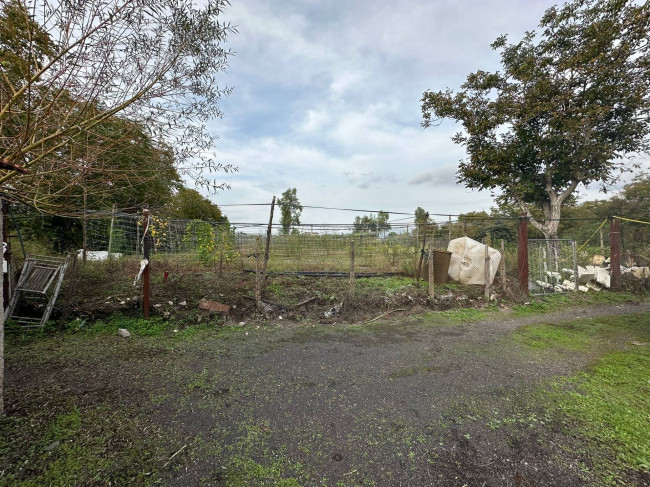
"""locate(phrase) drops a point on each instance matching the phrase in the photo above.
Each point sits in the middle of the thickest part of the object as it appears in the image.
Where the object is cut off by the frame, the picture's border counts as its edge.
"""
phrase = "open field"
(539, 394)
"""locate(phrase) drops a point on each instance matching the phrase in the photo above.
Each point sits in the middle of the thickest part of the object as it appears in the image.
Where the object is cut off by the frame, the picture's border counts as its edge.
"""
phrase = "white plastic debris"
(143, 265)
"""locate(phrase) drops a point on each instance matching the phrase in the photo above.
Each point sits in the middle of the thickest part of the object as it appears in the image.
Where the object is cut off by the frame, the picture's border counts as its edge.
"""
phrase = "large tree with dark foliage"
(570, 106)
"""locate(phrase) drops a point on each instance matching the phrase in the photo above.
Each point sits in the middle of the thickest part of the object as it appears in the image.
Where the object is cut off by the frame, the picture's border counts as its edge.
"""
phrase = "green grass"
(77, 447)
(610, 406)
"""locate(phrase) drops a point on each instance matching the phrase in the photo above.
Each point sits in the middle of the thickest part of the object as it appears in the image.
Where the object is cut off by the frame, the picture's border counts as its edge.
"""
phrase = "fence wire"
(552, 266)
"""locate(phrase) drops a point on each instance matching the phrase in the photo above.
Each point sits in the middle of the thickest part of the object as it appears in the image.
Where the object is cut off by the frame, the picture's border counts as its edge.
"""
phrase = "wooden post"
(615, 254)
(486, 272)
(503, 266)
(110, 234)
(432, 281)
(424, 243)
(268, 239)
(145, 274)
(600, 234)
(352, 277)
(258, 280)
(522, 254)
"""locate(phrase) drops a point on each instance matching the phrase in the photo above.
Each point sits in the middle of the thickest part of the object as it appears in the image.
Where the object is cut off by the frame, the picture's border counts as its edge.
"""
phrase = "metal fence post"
(522, 254)
(615, 254)
(432, 280)
(352, 276)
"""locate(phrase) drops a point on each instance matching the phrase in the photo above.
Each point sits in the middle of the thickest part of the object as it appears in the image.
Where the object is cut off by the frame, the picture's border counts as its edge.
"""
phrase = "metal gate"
(552, 266)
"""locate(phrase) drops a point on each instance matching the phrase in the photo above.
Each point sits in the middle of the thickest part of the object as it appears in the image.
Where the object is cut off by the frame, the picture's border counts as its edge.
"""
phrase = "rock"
(279, 317)
(123, 332)
(598, 259)
(603, 277)
(584, 289)
(594, 285)
(183, 303)
(333, 311)
(52, 446)
(170, 303)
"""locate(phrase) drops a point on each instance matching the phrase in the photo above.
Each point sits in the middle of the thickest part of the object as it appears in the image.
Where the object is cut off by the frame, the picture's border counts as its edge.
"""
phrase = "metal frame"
(38, 275)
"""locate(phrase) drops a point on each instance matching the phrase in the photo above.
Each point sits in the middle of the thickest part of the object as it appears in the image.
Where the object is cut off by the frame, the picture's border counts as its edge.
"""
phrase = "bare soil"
(405, 401)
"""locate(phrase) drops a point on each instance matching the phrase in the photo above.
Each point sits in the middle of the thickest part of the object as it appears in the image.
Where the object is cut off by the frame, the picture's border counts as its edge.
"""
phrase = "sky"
(326, 99)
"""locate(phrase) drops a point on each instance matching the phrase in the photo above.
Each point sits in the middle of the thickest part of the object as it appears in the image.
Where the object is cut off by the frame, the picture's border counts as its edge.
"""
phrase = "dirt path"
(406, 403)
(403, 402)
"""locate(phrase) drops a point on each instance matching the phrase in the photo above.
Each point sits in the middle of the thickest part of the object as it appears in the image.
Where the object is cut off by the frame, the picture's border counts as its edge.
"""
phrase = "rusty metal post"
(522, 254)
(268, 239)
(615, 254)
(432, 280)
(145, 275)
(502, 266)
(486, 272)
(352, 274)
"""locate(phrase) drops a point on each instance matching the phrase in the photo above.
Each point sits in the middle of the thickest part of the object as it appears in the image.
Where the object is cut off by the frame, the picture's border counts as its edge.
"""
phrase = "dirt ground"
(405, 401)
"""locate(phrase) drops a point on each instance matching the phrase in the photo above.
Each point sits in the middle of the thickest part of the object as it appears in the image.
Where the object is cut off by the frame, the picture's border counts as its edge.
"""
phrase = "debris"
(143, 265)
(301, 303)
(99, 254)
(279, 317)
(157, 305)
(598, 259)
(213, 306)
(123, 332)
(242, 323)
(170, 458)
(386, 314)
(333, 311)
(183, 303)
(170, 303)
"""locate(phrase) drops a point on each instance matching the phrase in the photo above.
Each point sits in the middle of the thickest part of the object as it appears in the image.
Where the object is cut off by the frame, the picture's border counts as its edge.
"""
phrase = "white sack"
(467, 264)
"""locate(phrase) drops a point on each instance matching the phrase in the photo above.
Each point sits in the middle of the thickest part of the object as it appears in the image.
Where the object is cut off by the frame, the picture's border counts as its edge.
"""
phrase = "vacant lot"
(518, 398)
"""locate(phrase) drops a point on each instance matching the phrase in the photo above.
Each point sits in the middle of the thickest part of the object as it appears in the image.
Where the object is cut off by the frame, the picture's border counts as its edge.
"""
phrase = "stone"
(123, 332)
(598, 259)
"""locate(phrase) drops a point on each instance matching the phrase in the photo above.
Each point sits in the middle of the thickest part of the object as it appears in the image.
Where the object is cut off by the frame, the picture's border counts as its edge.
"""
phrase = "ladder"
(40, 282)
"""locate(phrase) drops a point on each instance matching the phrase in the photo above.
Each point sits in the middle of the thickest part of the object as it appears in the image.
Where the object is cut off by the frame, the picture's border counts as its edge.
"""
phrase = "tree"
(372, 224)
(189, 204)
(568, 105)
(290, 210)
(69, 68)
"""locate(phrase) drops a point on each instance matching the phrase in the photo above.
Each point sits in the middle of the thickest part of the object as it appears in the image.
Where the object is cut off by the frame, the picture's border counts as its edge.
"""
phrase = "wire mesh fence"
(552, 265)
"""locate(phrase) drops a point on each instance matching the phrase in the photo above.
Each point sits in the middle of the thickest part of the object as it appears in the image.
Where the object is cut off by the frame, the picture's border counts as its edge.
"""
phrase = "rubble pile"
(590, 277)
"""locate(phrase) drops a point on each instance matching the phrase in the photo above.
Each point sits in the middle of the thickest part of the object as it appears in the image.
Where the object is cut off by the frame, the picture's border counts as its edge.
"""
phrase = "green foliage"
(290, 210)
(372, 224)
(567, 103)
(211, 243)
(189, 204)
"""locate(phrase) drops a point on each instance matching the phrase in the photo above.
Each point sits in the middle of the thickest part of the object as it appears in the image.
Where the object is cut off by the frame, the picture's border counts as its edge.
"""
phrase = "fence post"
(522, 254)
(486, 271)
(268, 239)
(110, 233)
(145, 274)
(352, 277)
(615, 254)
(503, 266)
(432, 281)
(575, 266)
(258, 280)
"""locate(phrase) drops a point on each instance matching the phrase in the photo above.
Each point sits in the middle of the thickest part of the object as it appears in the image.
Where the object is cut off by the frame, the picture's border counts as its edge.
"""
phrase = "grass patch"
(77, 447)
(580, 334)
(385, 284)
(610, 406)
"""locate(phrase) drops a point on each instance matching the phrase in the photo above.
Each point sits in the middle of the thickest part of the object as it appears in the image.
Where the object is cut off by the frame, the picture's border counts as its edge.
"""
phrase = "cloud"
(445, 176)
